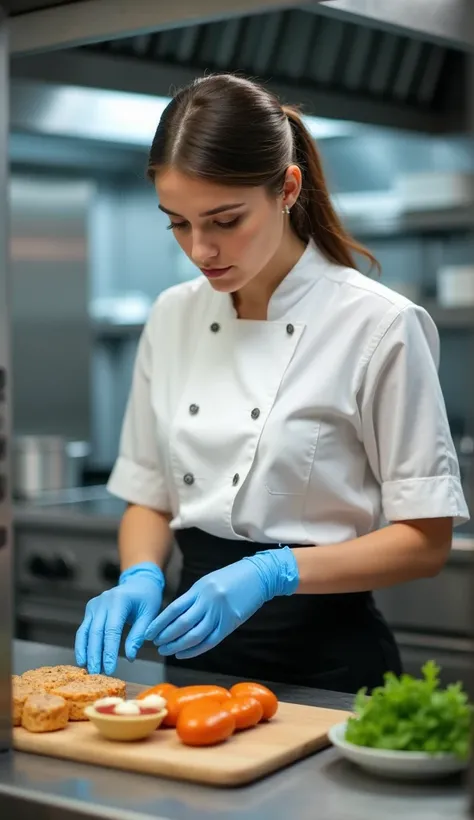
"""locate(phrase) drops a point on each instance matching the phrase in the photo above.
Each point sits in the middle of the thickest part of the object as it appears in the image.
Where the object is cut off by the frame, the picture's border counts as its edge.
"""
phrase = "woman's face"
(230, 233)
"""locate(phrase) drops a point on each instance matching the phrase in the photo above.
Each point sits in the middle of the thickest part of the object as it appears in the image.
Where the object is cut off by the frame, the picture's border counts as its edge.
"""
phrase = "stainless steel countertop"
(321, 786)
(84, 509)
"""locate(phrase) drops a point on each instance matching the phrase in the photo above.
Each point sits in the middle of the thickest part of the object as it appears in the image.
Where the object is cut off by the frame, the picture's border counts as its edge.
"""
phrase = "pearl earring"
(286, 210)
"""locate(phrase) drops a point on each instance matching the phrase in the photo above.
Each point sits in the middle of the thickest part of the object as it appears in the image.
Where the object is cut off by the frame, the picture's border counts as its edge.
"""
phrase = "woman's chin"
(225, 284)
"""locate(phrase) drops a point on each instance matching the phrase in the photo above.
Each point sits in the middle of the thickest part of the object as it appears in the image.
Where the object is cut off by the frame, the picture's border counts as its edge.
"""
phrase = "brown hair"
(230, 130)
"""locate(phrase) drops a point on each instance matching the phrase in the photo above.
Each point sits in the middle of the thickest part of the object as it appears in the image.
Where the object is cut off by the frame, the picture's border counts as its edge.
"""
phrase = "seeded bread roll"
(44, 713)
(115, 686)
(21, 690)
(84, 692)
(48, 678)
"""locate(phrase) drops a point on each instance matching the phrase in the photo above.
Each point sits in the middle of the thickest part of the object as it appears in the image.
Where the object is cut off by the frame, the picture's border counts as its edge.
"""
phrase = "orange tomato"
(162, 689)
(247, 710)
(266, 697)
(188, 694)
(204, 723)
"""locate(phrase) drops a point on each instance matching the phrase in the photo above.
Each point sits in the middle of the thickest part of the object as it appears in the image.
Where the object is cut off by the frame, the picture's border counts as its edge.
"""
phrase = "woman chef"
(283, 405)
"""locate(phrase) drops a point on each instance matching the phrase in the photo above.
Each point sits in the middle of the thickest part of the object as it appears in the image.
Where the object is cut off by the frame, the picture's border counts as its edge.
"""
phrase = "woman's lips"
(214, 273)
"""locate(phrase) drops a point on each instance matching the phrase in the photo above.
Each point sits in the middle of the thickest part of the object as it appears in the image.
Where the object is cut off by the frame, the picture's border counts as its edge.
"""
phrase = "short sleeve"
(405, 427)
(137, 476)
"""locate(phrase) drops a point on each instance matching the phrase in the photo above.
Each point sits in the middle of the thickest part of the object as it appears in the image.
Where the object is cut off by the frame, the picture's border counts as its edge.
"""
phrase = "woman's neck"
(251, 301)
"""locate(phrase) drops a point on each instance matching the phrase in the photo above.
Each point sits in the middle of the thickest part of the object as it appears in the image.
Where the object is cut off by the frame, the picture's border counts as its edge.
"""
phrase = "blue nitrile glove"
(220, 602)
(136, 601)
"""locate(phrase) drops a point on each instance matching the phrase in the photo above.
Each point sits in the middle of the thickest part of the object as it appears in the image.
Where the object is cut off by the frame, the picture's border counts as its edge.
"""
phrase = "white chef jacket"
(313, 427)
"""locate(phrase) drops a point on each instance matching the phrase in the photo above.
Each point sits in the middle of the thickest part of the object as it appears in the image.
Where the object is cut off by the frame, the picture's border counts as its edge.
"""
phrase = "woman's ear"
(292, 185)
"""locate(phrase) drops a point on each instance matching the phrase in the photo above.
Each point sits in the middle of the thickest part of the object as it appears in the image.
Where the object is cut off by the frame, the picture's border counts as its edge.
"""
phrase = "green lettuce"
(413, 715)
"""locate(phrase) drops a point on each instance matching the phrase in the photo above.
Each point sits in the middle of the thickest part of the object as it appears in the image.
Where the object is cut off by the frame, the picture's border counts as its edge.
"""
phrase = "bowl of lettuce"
(410, 727)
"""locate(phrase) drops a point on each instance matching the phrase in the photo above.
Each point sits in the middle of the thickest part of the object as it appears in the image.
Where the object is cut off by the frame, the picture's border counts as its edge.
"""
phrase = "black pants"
(339, 642)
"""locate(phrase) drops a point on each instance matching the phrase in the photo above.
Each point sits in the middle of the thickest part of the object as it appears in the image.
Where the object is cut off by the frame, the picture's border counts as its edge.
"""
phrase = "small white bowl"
(125, 727)
(393, 764)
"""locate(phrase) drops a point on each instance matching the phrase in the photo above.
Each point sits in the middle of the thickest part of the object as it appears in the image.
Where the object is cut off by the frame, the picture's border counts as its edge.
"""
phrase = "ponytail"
(313, 215)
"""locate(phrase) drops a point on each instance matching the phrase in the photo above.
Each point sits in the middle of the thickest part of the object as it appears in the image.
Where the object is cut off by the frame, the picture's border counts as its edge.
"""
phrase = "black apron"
(339, 642)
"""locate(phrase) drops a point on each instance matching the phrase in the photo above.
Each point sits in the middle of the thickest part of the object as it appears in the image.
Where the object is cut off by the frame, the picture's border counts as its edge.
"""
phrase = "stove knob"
(38, 567)
(61, 569)
(110, 571)
(52, 569)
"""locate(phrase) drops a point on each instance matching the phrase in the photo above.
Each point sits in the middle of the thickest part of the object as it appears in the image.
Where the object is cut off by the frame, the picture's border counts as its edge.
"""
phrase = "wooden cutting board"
(293, 733)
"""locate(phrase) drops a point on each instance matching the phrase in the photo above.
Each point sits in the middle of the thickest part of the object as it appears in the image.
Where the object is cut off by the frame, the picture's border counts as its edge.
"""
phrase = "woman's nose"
(203, 251)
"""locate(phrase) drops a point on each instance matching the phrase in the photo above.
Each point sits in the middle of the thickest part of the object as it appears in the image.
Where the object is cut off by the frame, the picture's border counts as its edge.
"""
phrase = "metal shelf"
(459, 318)
(110, 331)
(371, 225)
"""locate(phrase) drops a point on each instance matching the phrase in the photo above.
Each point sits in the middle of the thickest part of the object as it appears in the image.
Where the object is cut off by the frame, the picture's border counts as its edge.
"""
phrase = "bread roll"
(85, 691)
(44, 713)
(21, 690)
(48, 677)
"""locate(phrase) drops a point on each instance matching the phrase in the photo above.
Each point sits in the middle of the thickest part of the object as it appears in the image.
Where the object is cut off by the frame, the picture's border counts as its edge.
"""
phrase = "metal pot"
(43, 464)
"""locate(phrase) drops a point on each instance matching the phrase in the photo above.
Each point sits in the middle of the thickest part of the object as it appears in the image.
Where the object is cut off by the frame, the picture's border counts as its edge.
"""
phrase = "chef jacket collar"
(294, 287)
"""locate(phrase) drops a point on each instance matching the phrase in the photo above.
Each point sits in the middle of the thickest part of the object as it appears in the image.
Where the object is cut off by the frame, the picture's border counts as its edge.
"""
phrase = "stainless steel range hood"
(68, 24)
(40, 25)
(449, 22)
(335, 67)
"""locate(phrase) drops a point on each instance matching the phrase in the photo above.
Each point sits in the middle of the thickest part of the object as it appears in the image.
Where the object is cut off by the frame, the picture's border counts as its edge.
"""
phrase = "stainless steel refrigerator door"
(5, 494)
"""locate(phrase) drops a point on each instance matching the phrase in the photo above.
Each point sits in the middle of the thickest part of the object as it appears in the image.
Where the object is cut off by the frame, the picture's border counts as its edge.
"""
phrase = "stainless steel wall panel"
(51, 338)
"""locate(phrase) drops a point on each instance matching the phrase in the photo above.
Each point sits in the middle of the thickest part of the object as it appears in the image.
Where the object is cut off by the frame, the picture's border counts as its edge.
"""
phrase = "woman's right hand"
(136, 601)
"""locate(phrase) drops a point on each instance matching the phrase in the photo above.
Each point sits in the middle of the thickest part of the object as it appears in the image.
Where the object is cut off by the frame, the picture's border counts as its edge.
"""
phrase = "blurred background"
(90, 253)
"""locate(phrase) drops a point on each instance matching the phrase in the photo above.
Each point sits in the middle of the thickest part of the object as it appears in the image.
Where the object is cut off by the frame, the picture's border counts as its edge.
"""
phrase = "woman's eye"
(177, 225)
(231, 224)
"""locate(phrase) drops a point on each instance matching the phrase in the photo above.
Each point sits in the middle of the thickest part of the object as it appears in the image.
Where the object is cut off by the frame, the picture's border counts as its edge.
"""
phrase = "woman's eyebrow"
(212, 212)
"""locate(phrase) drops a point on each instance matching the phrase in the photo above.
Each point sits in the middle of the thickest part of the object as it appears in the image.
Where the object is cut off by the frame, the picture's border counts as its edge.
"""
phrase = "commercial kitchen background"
(90, 252)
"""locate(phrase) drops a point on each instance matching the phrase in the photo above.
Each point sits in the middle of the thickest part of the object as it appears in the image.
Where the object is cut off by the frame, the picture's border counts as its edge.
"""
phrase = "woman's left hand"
(220, 602)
